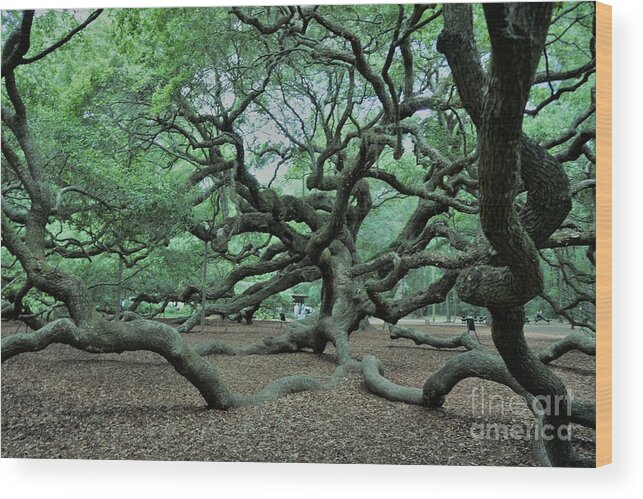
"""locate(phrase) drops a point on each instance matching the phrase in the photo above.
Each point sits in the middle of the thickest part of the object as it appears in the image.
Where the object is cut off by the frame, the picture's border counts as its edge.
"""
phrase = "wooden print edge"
(603, 234)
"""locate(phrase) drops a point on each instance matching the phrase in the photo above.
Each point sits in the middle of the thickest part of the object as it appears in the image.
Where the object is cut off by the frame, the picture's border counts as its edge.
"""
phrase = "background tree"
(383, 158)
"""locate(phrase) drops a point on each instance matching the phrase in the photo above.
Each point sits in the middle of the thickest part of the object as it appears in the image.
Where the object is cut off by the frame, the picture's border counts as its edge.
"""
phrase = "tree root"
(373, 373)
(270, 345)
(118, 337)
(482, 364)
(476, 363)
(299, 335)
(584, 413)
(583, 342)
(420, 338)
(279, 387)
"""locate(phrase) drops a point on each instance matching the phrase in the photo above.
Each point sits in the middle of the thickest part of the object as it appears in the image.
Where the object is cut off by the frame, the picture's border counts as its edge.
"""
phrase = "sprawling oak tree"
(278, 144)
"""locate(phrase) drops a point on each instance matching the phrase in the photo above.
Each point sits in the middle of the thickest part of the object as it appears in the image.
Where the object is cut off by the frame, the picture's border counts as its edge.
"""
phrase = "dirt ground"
(63, 403)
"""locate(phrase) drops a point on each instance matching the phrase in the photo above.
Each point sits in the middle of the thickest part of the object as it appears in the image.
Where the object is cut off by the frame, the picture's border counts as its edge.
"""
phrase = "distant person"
(540, 317)
(282, 316)
(471, 326)
(299, 311)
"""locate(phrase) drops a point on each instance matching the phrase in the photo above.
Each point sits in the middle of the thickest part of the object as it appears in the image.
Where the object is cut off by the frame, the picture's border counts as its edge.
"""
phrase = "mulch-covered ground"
(63, 403)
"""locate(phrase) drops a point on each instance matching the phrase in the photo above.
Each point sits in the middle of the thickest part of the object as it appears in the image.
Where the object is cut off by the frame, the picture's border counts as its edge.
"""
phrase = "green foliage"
(100, 106)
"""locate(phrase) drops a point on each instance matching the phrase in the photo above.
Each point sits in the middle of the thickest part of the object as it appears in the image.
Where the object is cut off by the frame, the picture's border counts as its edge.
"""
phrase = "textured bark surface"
(421, 338)
(519, 191)
(374, 379)
(86, 329)
(139, 409)
(512, 276)
(536, 378)
(479, 362)
(298, 336)
(116, 337)
(583, 342)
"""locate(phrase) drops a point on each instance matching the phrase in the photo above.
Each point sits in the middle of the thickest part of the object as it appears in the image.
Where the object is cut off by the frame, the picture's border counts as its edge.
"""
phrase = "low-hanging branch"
(356, 116)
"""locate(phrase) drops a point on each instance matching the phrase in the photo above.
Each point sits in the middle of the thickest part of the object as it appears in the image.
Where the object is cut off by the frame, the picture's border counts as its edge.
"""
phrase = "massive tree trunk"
(517, 35)
(498, 268)
(509, 278)
(476, 362)
(99, 336)
(87, 330)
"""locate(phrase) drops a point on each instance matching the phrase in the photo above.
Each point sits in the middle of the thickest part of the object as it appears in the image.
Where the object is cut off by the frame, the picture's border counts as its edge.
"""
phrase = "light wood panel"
(603, 234)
